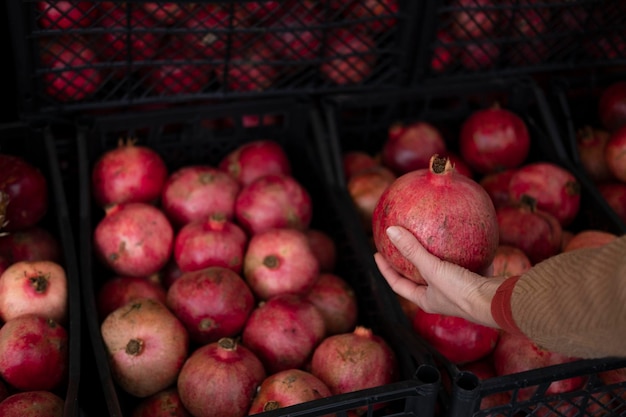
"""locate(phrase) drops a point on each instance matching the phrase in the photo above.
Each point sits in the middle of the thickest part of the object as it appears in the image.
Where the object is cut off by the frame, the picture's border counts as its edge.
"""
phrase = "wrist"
(480, 306)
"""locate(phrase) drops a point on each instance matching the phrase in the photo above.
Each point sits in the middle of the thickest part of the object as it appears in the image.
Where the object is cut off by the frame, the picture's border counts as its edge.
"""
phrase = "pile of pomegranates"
(215, 286)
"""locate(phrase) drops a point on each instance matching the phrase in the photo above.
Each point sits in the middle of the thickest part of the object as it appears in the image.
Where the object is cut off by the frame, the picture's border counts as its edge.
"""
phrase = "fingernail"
(393, 233)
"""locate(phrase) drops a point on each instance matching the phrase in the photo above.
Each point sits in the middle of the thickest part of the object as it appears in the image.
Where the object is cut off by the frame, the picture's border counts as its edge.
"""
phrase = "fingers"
(408, 245)
(399, 284)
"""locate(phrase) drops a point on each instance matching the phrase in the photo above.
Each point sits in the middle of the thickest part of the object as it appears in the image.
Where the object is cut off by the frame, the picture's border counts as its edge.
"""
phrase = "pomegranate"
(554, 188)
(259, 11)
(128, 174)
(212, 303)
(273, 201)
(591, 144)
(118, 291)
(536, 232)
(589, 238)
(206, 31)
(34, 353)
(213, 242)
(517, 353)
(355, 161)
(494, 139)
(295, 36)
(285, 388)
(283, 331)
(510, 261)
(614, 152)
(166, 13)
(484, 370)
(165, 403)
(254, 68)
(32, 404)
(71, 74)
(324, 249)
(134, 239)
(31, 244)
(37, 287)
(409, 146)
(24, 192)
(120, 44)
(615, 195)
(226, 372)
(383, 12)
(497, 186)
(365, 188)
(474, 19)
(256, 159)
(612, 106)
(279, 261)
(335, 299)
(451, 215)
(65, 15)
(195, 192)
(457, 339)
(349, 57)
(147, 346)
(444, 55)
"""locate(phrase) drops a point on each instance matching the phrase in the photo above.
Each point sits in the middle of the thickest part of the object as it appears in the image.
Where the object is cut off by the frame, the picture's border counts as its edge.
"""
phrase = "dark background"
(9, 91)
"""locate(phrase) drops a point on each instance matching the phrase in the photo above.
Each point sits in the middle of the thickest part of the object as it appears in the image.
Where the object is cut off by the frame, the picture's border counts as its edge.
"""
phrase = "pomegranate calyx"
(440, 164)
(271, 261)
(217, 221)
(363, 331)
(271, 405)
(129, 141)
(40, 282)
(227, 343)
(134, 347)
(528, 202)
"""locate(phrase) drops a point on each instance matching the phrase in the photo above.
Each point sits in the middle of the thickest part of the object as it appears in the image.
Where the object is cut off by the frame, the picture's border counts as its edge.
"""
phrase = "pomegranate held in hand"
(118, 291)
(410, 146)
(256, 159)
(220, 379)
(32, 404)
(449, 213)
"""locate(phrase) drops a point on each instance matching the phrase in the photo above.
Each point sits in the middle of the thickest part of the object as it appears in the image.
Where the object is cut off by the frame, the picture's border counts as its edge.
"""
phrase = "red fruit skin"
(589, 238)
(336, 300)
(350, 58)
(497, 186)
(194, 193)
(494, 139)
(615, 195)
(35, 353)
(203, 31)
(119, 291)
(457, 339)
(38, 403)
(324, 249)
(374, 8)
(27, 191)
(484, 370)
(134, 239)
(288, 387)
(214, 242)
(30, 244)
(294, 36)
(510, 261)
(212, 303)
(225, 371)
(517, 353)
(256, 159)
(165, 403)
(255, 11)
(591, 144)
(444, 55)
(355, 161)
(128, 174)
(614, 154)
(560, 196)
(273, 201)
(65, 15)
(612, 106)
(165, 13)
(283, 332)
(410, 146)
(365, 188)
(279, 261)
(115, 40)
(447, 204)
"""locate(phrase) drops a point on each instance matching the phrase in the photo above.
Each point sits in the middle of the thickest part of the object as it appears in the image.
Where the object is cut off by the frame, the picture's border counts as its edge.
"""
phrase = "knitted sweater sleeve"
(573, 303)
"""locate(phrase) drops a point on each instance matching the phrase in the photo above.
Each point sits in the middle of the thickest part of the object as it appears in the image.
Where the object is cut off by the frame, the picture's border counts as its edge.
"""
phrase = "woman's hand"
(450, 290)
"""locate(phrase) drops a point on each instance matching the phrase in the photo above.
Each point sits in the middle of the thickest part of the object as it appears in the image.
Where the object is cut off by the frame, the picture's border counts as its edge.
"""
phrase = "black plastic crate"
(54, 159)
(204, 135)
(101, 55)
(469, 39)
(359, 122)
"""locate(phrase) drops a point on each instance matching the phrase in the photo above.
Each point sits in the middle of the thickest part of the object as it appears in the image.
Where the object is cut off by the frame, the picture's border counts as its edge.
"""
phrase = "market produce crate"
(466, 39)
(361, 123)
(94, 55)
(54, 158)
(204, 135)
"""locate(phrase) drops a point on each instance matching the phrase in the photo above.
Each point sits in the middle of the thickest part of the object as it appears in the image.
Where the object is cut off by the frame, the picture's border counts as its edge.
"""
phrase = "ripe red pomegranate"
(324, 249)
(279, 261)
(118, 291)
(349, 57)
(451, 215)
(591, 143)
(474, 19)
(457, 339)
(560, 196)
(296, 36)
(614, 152)
(31, 244)
(612, 106)
(285, 388)
(497, 186)
(34, 353)
(165, 403)
(536, 232)
(147, 344)
(166, 13)
(494, 139)
(23, 193)
(336, 300)
(254, 68)
(510, 261)
(484, 370)
(195, 192)
(65, 15)
(225, 371)
(357, 160)
(409, 146)
(212, 242)
(283, 331)
(212, 303)
(589, 238)
(130, 173)
(37, 287)
(365, 188)
(256, 159)
(134, 239)
(32, 404)
(120, 44)
(71, 74)
(614, 194)
(273, 201)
